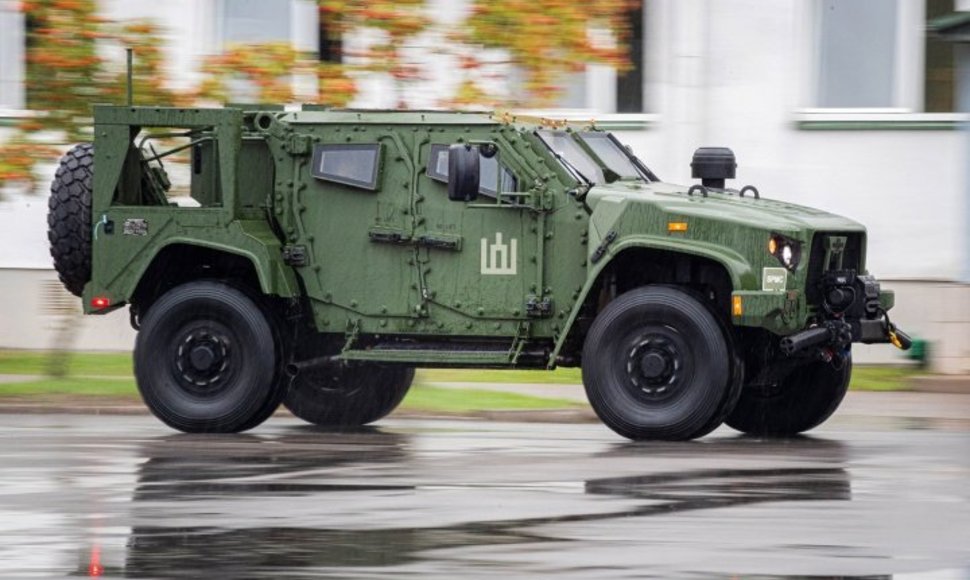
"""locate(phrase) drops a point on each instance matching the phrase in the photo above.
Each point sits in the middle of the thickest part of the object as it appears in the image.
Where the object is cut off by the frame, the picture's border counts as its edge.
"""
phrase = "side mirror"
(464, 168)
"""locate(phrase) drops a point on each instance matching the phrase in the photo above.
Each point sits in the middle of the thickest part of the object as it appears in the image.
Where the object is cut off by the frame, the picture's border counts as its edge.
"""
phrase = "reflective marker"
(737, 308)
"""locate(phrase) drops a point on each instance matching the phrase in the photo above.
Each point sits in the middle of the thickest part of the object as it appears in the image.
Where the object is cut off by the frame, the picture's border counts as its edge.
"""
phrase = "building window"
(256, 21)
(857, 53)
(938, 88)
(349, 164)
(876, 54)
(601, 88)
(629, 84)
(12, 58)
(330, 45)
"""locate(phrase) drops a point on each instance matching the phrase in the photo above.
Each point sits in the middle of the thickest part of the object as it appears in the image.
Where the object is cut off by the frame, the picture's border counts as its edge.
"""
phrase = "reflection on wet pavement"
(121, 497)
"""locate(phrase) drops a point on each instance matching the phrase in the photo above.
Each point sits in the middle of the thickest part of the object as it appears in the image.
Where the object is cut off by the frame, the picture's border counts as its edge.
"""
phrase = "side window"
(494, 177)
(347, 163)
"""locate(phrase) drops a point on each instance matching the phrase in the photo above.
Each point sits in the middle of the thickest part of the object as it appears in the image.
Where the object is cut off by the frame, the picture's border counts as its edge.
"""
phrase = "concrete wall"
(938, 312)
(37, 313)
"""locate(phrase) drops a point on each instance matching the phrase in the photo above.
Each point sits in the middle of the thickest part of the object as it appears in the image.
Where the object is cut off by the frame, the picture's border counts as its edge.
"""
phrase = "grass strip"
(82, 386)
(28, 362)
(430, 398)
(420, 398)
(561, 376)
(883, 378)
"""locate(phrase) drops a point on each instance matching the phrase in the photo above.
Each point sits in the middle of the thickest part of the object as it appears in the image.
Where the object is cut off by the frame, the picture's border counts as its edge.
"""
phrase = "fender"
(740, 271)
(253, 240)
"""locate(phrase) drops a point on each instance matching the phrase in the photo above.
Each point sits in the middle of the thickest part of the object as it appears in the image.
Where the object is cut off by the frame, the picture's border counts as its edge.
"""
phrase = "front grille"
(851, 260)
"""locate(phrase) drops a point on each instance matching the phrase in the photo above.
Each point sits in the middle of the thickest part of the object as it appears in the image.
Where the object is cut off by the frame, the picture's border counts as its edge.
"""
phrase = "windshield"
(611, 154)
(608, 153)
(563, 145)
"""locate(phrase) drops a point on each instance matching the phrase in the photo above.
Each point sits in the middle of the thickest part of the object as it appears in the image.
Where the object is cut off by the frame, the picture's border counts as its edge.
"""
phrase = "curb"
(42, 409)
(955, 384)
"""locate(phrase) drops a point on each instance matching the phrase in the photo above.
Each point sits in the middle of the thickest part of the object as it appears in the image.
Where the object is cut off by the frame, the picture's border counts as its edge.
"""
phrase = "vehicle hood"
(768, 214)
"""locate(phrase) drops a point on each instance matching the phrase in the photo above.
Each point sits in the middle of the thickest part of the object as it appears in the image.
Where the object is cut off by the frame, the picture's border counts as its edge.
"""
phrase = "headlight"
(786, 250)
(786, 255)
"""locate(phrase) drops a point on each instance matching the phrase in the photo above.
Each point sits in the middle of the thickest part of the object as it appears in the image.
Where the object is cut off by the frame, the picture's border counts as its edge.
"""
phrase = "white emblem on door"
(498, 258)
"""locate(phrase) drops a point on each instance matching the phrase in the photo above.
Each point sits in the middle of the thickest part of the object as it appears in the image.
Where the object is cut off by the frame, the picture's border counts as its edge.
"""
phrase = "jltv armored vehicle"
(317, 257)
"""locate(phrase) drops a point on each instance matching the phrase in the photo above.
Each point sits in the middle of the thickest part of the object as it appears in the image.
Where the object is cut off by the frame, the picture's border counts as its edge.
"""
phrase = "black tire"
(801, 401)
(207, 360)
(348, 396)
(657, 365)
(732, 393)
(69, 217)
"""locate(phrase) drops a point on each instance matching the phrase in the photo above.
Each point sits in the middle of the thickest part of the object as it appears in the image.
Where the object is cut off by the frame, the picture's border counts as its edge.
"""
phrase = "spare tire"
(69, 217)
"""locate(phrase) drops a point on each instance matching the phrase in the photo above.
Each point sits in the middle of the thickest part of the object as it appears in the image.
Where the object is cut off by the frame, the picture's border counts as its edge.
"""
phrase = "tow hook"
(897, 337)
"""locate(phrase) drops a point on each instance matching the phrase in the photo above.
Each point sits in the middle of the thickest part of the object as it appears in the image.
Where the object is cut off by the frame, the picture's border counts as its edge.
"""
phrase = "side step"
(444, 358)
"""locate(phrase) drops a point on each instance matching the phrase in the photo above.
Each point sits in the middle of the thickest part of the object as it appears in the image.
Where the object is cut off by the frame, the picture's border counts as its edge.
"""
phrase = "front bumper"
(783, 312)
(852, 308)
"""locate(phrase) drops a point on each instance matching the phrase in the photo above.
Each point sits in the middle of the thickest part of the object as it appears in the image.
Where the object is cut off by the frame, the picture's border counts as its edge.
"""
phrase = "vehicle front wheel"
(206, 360)
(656, 365)
(347, 396)
(800, 400)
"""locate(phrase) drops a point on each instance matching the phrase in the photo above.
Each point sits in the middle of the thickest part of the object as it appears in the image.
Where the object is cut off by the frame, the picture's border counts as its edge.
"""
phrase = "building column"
(963, 105)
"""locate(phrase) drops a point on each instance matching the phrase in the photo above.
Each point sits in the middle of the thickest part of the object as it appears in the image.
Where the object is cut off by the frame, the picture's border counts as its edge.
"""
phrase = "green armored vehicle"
(316, 257)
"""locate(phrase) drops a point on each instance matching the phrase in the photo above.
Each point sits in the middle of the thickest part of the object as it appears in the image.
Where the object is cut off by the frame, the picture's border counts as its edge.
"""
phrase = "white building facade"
(843, 105)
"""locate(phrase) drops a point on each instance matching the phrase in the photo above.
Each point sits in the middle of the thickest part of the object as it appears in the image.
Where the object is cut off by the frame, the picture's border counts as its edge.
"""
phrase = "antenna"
(130, 97)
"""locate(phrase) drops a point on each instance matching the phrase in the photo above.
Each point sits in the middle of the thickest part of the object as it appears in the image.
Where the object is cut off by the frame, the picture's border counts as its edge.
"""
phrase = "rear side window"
(494, 177)
(347, 163)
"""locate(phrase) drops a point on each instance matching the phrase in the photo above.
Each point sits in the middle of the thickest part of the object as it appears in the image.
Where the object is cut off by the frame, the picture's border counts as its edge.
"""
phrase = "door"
(356, 213)
(480, 264)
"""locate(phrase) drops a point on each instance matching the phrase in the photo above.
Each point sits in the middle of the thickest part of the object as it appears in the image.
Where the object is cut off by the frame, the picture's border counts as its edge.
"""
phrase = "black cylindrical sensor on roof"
(713, 165)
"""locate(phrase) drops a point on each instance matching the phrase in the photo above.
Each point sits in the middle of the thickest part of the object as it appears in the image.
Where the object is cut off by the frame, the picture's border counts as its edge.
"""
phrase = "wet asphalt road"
(125, 497)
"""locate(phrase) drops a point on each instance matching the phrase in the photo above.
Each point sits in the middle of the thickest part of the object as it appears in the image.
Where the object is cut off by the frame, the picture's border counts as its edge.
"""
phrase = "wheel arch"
(633, 263)
(182, 260)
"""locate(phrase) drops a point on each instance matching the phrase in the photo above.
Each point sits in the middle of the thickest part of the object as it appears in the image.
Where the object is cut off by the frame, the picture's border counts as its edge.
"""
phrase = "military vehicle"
(317, 257)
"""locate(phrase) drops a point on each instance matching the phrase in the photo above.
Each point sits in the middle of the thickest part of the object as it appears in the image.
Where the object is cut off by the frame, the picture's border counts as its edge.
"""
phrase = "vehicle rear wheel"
(346, 396)
(207, 361)
(657, 365)
(801, 400)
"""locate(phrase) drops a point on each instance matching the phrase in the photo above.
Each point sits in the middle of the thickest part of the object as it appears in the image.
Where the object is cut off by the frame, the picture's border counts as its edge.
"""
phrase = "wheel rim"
(657, 364)
(203, 361)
